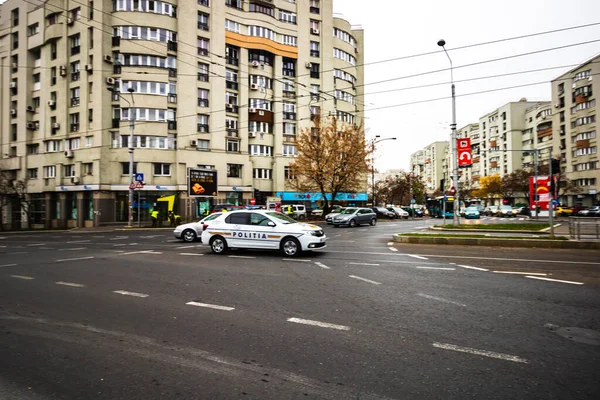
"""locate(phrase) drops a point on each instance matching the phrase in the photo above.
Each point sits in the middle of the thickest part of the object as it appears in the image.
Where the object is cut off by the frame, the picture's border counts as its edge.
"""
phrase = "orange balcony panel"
(580, 98)
(475, 177)
(545, 132)
(258, 43)
(493, 164)
(581, 144)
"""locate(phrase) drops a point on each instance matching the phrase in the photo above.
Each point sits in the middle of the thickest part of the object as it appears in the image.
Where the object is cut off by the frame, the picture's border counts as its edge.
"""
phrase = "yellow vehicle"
(564, 211)
(166, 206)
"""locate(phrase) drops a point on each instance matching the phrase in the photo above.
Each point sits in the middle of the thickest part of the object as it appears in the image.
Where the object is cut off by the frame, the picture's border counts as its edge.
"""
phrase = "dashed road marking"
(416, 256)
(17, 252)
(390, 243)
(368, 264)
(98, 237)
(73, 249)
(184, 247)
(318, 323)
(393, 248)
(191, 254)
(485, 353)
(520, 273)
(440, 299)
(364, 279)
(78, 241)
(74, 259)
(554, 280)
(242, 257)
(141, 252)
(27, 278)
(469, 267)
(119, 244)
(322, 265)
(8, 265)
(295, 260)
(119, 238)
(70, 284)
(214, 306)
(36, 244)
(134, 294)
(441, 268)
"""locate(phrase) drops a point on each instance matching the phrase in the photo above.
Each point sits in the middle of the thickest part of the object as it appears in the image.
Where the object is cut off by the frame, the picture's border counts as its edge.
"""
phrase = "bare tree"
(13, 191)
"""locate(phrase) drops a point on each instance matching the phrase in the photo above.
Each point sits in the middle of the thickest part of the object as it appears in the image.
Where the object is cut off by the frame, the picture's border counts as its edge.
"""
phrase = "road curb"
(533, 243)
(487, 230)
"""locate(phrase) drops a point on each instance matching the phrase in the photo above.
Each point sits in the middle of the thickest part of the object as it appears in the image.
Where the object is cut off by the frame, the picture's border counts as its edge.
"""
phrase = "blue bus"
(436, 207)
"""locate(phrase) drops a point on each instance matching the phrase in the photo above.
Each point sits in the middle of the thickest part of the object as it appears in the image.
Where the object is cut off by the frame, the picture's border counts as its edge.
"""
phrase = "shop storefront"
(315, 200)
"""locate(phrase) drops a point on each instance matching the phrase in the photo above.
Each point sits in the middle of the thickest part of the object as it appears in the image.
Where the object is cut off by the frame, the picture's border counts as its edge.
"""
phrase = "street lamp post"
(455, 220)
(374, 141)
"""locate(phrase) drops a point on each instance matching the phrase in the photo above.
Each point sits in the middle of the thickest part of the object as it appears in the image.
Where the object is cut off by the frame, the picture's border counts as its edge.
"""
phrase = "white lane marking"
(17, 252)
(393, 248)
(338, 235)
(36, 244)
(98, 236)
(150, 236)
(134, 294)
(119, 244)
(390, 243)
(520, 273)
(184, 247)
(73, 249)
(442, 268)
(554, 280)
(70, 284)
(485, 353)
(133, 244)
(2, 246)
(191, 254)
(216, 307)
(141, 252)
(469, 267)
(317, 323)
(295, 259)
(355, 263)
(322, 265)
(427, 296)
(7, 265)
(119, 238)
(241, 257)
(78, 241)
(364, 280)
(419, 257)
(74, 259)
(27, 278)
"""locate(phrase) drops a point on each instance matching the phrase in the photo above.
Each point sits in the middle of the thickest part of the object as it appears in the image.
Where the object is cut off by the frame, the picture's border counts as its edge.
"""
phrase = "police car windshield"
(282, 218)
(349, 211)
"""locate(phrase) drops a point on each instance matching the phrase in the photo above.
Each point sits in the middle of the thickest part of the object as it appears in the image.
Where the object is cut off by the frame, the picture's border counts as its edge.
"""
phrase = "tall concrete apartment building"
(222, 85)
(429, 164)
(575, 136)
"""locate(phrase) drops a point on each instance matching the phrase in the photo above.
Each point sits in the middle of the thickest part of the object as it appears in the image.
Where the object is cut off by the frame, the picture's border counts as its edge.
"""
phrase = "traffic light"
(442, 184)
(555, 165)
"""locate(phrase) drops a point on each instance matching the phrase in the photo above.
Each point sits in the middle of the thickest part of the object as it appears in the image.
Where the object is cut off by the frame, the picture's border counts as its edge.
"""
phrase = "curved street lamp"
(374, 141)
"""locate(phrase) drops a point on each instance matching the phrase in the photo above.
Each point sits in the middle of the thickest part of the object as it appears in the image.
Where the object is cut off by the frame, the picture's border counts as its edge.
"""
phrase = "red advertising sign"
(463, 149)
(543, 192)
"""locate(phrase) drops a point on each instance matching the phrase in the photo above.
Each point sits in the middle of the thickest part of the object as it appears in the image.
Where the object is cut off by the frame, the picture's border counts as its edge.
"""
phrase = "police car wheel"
(373, 222)
(189, 235)
(218, 245)
(290, 247)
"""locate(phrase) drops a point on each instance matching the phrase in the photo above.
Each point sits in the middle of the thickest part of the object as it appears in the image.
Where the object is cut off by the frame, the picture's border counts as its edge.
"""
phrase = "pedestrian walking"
(154, 215)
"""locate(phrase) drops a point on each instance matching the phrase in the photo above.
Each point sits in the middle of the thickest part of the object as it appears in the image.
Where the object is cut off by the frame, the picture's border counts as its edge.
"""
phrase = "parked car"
(299, 210)
(523, 211)
(563, 211)
(355, 216)
(491, 211)
(590, 212)
(319, 212)
(398, 212)
(415, 212)
(193, 231)
(472, 213)
(329, 217)
(506, 212)
(383, 212)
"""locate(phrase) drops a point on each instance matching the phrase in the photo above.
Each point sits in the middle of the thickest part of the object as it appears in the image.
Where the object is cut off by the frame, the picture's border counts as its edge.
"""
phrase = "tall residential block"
(223, 85)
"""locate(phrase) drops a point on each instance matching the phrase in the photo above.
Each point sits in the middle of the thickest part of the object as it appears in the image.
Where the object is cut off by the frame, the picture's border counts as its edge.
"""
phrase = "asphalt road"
(139, 315)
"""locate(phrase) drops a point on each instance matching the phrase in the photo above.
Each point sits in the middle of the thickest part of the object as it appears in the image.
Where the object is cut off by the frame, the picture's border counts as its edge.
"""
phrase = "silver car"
(193, 231)
(355, 216)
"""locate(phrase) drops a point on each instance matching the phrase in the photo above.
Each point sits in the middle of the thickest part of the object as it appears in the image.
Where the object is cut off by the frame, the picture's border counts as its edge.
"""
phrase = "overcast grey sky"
(395, 28)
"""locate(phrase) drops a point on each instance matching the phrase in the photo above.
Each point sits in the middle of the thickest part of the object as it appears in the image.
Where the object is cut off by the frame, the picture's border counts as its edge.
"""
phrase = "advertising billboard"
(463, 148)
(202, 182)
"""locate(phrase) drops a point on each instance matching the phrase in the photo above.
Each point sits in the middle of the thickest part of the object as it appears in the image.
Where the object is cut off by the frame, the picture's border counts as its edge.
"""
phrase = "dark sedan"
(383, 212)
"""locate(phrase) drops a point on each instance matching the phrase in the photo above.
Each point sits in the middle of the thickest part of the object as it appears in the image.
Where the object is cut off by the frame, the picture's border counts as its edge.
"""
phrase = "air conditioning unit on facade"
(13, 112)
(255, 64)
(229, 106)
(254, 86)
(15, 65)
(556, 106)
(70, 21)
(110, 81)
(89, 67)
(55, 125)
(252, 134)
(108, 58)
(75, 180)
(62, 70)
(314, 31)
(69, 153)
(31, 125)
(193, 143)
(308, 65)
(30, 108)
(51, 103)
(590, 78)
(252, 110)
(13, 85)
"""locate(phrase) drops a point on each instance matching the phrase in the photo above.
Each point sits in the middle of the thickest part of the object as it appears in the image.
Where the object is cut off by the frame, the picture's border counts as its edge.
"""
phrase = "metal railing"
(584, 228)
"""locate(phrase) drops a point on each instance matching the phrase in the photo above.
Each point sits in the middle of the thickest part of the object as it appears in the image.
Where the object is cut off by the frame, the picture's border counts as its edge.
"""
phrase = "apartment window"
(231, 123)
(234, 3)
(203, 144)
(342, 55)
(289, 67)
(144, 33)
(585, 151)
(234, 170)
(75, 93)
(203, 46)
(33, 29)
(582, 75)
(288, 85)
(259, 8)
(289, 150)
(585, 135)
(125, 168)
(258, 126)
(586, 182)
(203, 70)
(147, 61)
(344, 96)
(53, 50)
(263, 32)
(74, 118)
(49, 171)
(289, 40)
(583, 121)
(287, 173)
(231, 79)
(89, 141)
(260, 56)
(233, 146)
(314, 27)
(75, 42)
(260, 104)
(202, 97)
(203, 123)
(315, 70)
(202, 21)
(261, 173)
(36, 102)
(52, 19)
(586, 166)
(344, 36)
(32, 173)
(161, 169)
(261, 81)
(289, 128)
(287, 16)
(260, 150)
(15, 17)
(53, 146)
(315, 6)
(315, 49)
(232, 26)
(314, 92)
(69, 171)
(91, 37)
(87, 169)
(289, 110)
(76, 14)
(15, 40)
(72, 144)
(204, 3)
(232, 55)
(315, 111)
(581, 106)
(561, 88)
(33, 148)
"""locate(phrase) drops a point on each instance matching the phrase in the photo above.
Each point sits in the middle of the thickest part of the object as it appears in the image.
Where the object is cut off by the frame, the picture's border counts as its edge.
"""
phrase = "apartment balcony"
(231, 85)
(172, 125)
(74, 101)
(289, 138)
(232, 108)
(203, 26)
(544, 132)
(582, 98)
(232, 61)
(289, 94)
(203, 128)
(202, 77)
(289, 115)
(233, 133)
(315, 53)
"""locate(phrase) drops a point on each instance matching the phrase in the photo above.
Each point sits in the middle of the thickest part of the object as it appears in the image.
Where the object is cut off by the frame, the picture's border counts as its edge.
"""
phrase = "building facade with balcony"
(575, 137)
(223, 85)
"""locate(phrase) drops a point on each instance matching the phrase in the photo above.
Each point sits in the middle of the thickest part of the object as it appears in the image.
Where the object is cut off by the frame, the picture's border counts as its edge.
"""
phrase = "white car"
(400, 213)
(329, 217)
(258, 229)
(192, 231)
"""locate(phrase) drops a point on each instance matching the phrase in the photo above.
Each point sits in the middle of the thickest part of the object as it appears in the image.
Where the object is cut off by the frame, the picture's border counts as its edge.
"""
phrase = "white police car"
(192, 231)
(258, 229)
